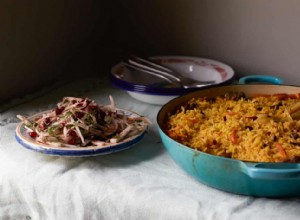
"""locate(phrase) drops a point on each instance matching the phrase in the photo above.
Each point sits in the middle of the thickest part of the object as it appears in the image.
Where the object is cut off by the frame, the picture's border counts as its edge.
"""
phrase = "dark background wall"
(46, 41)
(253, 36)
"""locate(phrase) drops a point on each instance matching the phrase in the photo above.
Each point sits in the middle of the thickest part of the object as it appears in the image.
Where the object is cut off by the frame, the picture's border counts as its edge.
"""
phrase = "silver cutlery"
(150, 67)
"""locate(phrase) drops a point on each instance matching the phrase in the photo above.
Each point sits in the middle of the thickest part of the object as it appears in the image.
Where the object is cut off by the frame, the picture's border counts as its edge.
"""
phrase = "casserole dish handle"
(272, 171)
(262, 79)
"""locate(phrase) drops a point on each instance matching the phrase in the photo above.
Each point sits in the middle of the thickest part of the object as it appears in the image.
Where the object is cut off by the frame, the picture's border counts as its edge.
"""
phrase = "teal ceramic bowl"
(230, 175)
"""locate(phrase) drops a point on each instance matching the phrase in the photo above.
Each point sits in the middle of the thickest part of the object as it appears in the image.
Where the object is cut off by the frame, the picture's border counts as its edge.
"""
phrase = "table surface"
(142, 182)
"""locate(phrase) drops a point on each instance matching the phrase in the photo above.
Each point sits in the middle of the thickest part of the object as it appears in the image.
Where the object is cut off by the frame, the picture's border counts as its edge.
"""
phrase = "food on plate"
(81, 122)
(262, 128)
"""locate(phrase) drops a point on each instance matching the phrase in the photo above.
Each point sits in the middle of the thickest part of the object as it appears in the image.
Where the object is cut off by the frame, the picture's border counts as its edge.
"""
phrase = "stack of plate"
(155, 90)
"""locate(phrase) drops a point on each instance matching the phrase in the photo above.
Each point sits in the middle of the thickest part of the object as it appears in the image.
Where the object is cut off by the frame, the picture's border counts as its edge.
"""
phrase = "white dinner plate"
(155, 90)
(28, 142)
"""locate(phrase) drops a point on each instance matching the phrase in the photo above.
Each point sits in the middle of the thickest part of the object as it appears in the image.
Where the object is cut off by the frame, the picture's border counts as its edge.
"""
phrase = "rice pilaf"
(256, 129)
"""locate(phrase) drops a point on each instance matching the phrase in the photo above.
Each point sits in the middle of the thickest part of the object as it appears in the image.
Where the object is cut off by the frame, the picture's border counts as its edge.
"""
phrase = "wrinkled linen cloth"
(142, 182)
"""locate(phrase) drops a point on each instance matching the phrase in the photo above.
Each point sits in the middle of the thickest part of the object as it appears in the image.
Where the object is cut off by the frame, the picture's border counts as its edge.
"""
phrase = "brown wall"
(254, 36)
(45, 41)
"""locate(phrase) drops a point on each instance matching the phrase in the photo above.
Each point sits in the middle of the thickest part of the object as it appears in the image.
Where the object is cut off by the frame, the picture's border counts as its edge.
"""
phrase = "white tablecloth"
(142, 182)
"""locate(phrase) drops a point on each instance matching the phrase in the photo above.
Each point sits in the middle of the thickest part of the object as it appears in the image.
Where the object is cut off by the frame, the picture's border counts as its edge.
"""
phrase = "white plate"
(26, 141)
(147, 88)
(192, 67)
(151, 99)
(201, 69)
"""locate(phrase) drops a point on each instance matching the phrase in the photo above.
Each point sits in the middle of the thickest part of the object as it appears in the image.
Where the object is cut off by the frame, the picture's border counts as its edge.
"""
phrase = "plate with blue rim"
(25, 140)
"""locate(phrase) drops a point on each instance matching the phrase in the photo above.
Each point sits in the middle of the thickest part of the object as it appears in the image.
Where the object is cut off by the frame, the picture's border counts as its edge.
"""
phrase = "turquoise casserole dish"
(230, 175)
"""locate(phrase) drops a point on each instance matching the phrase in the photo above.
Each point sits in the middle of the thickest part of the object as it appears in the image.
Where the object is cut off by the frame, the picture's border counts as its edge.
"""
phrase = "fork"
(154, 68)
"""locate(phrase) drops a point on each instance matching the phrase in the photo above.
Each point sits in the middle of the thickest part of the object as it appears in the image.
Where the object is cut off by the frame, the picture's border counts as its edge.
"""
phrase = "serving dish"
(235, 176)
(28, 142)
(155, 90)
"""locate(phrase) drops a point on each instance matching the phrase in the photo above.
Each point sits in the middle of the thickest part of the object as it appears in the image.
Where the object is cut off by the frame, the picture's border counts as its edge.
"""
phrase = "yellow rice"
(257, 129)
